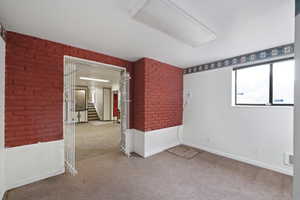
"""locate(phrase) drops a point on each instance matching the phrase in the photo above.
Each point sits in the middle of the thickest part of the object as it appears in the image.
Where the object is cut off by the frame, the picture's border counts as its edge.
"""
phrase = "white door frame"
(106, 66)
(2, 115)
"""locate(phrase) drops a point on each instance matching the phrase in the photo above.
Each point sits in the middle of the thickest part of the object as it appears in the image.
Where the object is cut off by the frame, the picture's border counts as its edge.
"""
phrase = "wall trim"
(257, 57)
(149, 143)
(242, 159)
(144, 144)
(30, 163)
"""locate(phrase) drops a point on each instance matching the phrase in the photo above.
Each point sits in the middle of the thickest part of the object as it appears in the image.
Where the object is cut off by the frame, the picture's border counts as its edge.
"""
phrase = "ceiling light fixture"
(167, 17)
(94, 79)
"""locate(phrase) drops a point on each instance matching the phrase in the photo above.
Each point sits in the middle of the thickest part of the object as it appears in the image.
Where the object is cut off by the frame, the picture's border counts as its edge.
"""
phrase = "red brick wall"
(139, 95)
(34, 87)
(158, 95)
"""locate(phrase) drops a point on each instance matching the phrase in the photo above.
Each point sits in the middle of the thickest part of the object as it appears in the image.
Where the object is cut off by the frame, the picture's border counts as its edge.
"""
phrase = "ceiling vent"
(167, 17)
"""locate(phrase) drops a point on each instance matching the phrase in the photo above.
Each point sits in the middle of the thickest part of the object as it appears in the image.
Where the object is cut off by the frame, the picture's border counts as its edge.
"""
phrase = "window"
(283, 82)
(253, 85)
(265, 84)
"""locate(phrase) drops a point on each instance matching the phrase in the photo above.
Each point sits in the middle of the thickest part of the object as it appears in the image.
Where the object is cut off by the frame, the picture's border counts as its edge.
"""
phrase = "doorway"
(107, 110)
(91, 126)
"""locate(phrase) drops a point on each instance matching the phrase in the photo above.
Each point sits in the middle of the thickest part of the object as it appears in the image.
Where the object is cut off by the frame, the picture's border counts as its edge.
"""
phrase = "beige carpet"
(100, 123)
(96, 138)
(111, 176)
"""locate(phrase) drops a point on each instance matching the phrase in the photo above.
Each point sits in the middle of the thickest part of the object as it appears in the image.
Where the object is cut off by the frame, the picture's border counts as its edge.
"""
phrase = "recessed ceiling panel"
(167, 17)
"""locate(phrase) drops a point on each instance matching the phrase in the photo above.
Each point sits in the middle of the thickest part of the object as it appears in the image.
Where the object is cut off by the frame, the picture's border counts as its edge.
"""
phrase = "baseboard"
(242, 159)
(149, 143)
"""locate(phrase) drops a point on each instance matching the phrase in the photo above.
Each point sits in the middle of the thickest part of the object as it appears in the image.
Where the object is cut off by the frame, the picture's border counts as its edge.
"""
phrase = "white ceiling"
(97, 72)
(105, 26)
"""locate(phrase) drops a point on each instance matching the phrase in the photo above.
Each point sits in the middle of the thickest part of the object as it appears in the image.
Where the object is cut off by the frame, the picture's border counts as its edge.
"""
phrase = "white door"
(69, 115)
(125, 99)
(106, 104)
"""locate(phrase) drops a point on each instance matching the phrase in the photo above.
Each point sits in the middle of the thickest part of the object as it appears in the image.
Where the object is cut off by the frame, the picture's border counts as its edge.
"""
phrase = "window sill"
(264, 107)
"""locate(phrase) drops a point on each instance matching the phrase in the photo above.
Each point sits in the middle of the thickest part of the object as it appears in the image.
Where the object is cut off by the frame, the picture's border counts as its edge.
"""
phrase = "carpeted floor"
(96, 138)
(165, 176)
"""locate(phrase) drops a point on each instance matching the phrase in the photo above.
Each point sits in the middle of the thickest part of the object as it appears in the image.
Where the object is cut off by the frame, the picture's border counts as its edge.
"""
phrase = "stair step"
(92, 113)
(93, 116)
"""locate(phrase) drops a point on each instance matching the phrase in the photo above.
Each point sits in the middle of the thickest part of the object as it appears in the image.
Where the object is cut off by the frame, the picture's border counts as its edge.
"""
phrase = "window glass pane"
(253, 85)
(283, 82)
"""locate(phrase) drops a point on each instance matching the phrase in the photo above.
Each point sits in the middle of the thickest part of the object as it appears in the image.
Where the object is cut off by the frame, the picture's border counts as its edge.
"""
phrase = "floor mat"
(184, 151)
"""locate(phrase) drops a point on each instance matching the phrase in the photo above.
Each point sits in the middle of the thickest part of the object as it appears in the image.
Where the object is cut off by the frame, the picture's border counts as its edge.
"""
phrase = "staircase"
(92, 113)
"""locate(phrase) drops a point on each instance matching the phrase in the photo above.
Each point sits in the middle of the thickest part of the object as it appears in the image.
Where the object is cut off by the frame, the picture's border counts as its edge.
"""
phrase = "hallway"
(96, 138)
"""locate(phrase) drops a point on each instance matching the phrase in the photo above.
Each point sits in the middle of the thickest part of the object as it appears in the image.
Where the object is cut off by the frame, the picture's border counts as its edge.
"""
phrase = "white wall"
(107, 110)
(99, 101)
(257, 135)
(296, 190)
(2, 75)
(83, 116)
(30, 163)
(152, 142)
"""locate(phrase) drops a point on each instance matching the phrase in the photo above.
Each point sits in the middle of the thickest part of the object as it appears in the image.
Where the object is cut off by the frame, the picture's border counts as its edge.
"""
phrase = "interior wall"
(107, 103)
(30, 163)
(34, 87)
(139, 114)
(2, 75)
(99, 101)
(257, 135)
(157, 95)
(81, 97)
